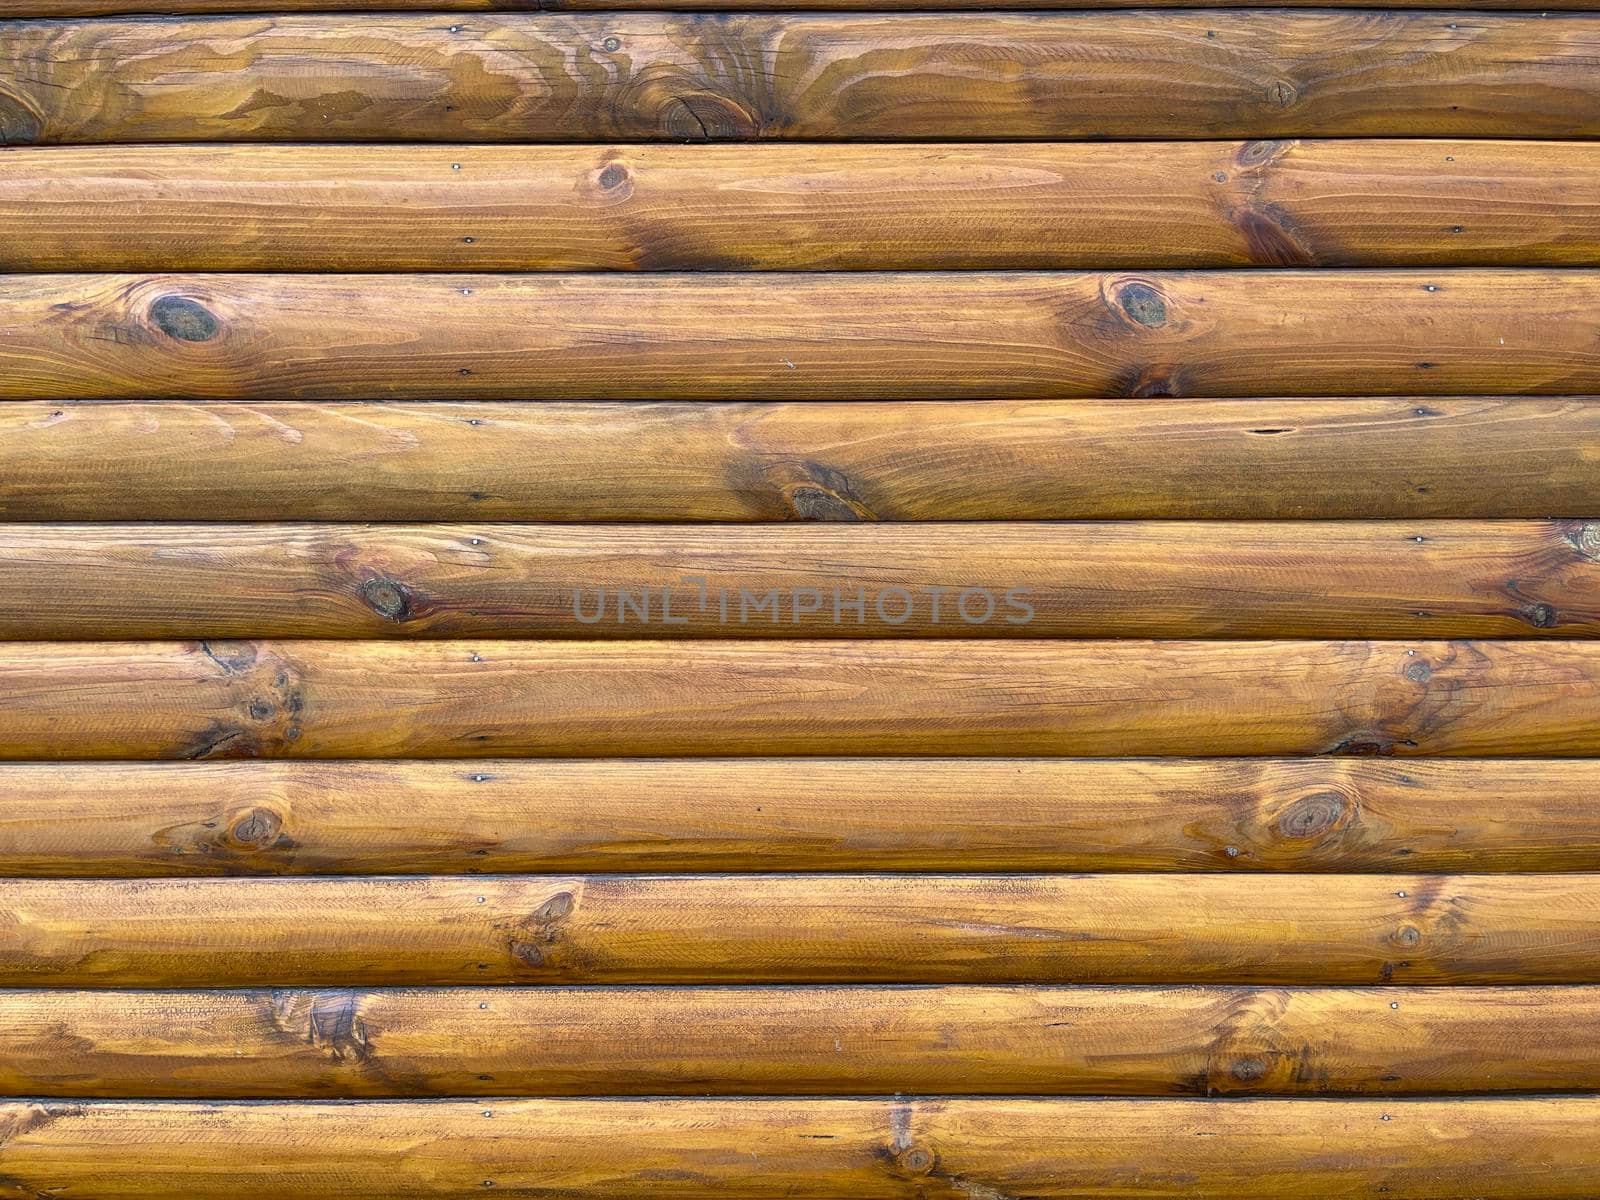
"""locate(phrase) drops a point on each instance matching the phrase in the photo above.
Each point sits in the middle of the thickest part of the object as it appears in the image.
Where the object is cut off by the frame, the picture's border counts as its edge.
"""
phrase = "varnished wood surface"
(506, 815)
(893, 697)
(994, 580)
(1255, 830)
(984, 460)
(1131, 929)
(877, 1149)
(908, 335)
(974, 1040)
(798, 207)
(645, 76)
(82, 8)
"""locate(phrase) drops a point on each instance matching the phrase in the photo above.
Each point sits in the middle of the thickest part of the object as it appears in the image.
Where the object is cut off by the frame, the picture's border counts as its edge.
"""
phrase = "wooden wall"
(953, 604)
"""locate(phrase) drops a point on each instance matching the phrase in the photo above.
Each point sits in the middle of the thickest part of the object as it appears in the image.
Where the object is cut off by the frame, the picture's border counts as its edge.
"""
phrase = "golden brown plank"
(798, 207)
(897, 697)
(910, 335)
(982, 460)
(83, 8)
(879, 1149)
(1130, 929)
(289, 818)
(975, 1040)
(1111, 579)
(644, 76)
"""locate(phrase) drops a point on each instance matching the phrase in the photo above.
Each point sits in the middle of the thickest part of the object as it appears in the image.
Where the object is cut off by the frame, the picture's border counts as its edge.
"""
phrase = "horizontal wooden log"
(288, 818)
(798, 207)
(982, 460)
(1113, 579)
(643, 76)
(976, 1040)
(877, 1149)
(909, 335)
(659, 929)
(90, 8)
(895, 697)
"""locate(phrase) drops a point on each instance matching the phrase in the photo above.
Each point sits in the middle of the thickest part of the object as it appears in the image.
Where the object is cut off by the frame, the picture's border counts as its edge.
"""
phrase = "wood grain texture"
(799, 207)
(878, 1149)
(898, 698)
(995, 580)
(507, 815)
(911, 335)
(1130, 929)
(975, 1040)
(645, 76)
(981, 460)
(88, 8)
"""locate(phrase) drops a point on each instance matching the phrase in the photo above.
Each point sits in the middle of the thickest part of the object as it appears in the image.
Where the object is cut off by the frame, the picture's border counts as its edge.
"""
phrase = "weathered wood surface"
(291, 818)
(892, 697)
(907, 335)
(1116, 928)
(798, 207)
(982, 460)
(643, 76)
(997, 580)
(975, 1040)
